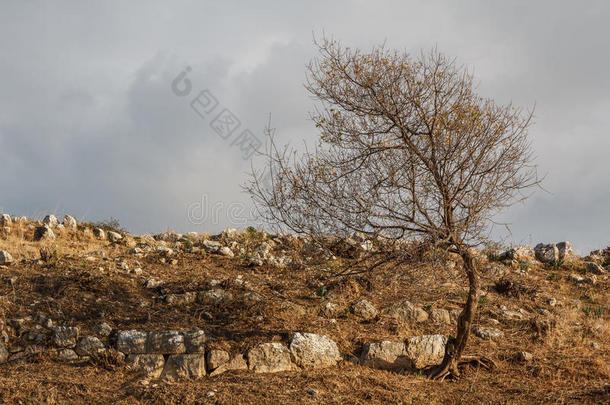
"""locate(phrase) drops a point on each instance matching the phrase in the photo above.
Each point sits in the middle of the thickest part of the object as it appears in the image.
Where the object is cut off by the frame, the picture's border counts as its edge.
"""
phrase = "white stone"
(330, 310)
(407, 312)
(236, 363)
(182, 366)
(314, 351)
(440, 315)
(70, 222)
(67, 354)
(270, 358)
(65, 336)
(50, 220)
(211, 246)
(565, 250)
(216, 358)
(365, 310)
(594, 268)
(426, 350)
(386, 356)
(114, 236)
(43, 232)
(225, 251)
(5, 220)
(131, 341)
(146, 365)
(547, 253)
(89, 346)
(103, 329)
(485, 332)
(166, 342)
(99, 233)
(5, 257)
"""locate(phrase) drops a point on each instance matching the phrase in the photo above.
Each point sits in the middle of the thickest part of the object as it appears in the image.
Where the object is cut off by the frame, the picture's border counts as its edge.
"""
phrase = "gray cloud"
(89, 125)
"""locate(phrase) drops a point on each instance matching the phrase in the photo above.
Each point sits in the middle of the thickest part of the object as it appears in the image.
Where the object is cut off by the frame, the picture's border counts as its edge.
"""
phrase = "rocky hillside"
(90, 313)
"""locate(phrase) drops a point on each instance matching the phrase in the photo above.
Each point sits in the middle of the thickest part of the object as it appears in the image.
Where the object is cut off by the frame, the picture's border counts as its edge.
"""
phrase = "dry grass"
(77, 288)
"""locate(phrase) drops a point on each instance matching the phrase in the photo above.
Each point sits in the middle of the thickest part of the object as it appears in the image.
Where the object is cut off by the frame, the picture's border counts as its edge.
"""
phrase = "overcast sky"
(90, 125)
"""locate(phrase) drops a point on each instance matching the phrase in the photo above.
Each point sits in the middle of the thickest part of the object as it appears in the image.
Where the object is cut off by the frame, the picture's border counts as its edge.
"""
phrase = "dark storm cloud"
(89, 124)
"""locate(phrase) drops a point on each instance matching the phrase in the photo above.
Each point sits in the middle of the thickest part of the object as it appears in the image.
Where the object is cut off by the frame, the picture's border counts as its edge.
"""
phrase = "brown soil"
(73, 290)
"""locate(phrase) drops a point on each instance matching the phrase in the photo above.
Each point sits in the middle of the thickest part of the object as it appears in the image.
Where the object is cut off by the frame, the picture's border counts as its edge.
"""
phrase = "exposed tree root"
(481, 361)
(451, 369)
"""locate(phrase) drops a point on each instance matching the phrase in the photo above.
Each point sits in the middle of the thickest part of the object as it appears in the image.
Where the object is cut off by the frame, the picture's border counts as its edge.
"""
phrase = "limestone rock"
(50, 220)
(365, 310)
(5, 220)
(5, 257)
(521, 253)
(454, 314)
(103, 329)
(426, 350)
(194, 341)
(165, 251)
(225, 251)
(485, 332)
(270, 358)
(146, 365)
(507, 314)
(135, 251)
(330, 310)
(565, 250)
(385, 356)
(230, 234)
(169, 342)
(547, 253)
(114, 236)
(181, 366)
(236, 363)
(67, 354)
(211, 246)
(131, 341)
(88, 346)
(214, 296)
(70, 222)
(440, 315)
(314, 351)
(65, 336)
(43, 232)
(590, 267)
(99, 233)
(407, 312)
(217, 358)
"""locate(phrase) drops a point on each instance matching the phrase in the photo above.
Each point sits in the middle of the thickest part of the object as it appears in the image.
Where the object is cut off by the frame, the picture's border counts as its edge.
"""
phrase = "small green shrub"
(111, 224)
(554, 265)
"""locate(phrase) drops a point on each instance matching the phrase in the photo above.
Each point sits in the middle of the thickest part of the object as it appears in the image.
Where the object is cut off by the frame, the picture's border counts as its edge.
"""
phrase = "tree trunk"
(455, 346)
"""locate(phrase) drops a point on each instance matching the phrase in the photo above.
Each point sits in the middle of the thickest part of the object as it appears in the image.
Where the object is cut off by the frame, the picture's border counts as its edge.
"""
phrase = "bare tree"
(408, 151)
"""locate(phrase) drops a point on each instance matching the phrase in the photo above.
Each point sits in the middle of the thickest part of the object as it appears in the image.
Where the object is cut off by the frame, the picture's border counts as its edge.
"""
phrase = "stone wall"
(173, 355)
